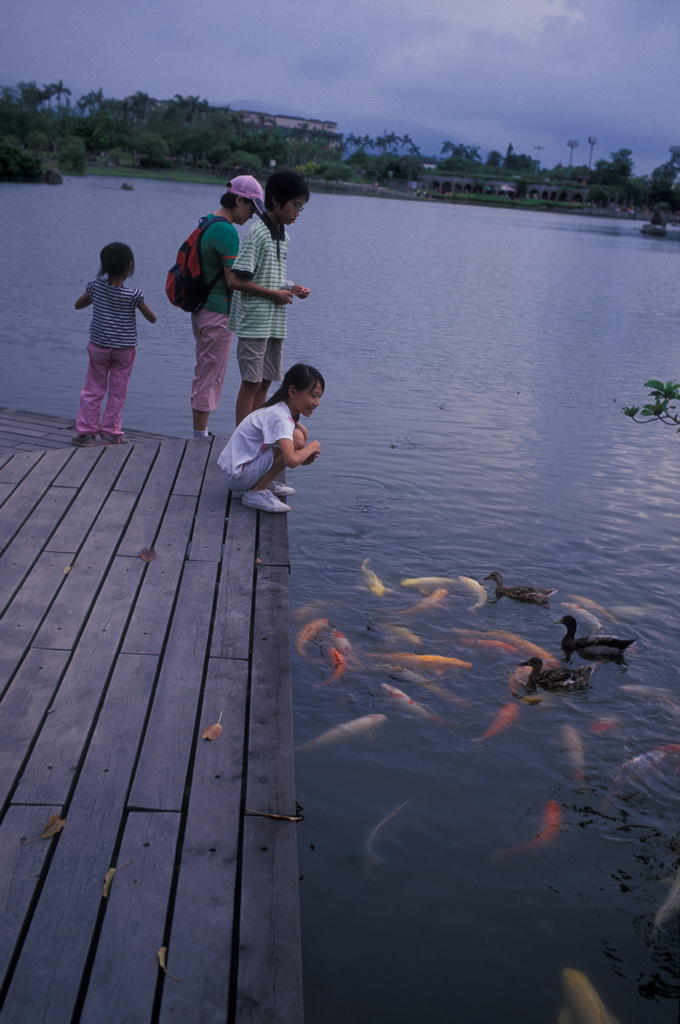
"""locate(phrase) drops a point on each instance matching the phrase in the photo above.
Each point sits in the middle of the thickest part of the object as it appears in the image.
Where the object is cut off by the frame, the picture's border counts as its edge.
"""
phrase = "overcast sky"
(482, 72)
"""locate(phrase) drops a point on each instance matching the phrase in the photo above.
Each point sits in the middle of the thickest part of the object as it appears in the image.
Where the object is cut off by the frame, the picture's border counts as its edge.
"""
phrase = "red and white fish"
(408, 702)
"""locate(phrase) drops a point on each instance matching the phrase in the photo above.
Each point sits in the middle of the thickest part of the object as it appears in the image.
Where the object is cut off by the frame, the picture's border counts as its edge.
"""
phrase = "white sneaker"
(280, 489)
(265, 501)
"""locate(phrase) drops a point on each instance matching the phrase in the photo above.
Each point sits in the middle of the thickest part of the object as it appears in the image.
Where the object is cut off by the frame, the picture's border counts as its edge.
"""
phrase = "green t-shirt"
(219, 248)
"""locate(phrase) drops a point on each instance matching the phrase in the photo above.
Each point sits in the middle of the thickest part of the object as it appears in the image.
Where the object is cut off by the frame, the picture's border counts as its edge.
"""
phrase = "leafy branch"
(660, 408)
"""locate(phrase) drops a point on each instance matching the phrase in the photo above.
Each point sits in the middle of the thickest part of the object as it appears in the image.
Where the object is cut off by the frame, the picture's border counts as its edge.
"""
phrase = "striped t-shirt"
(262, 259)
(113, 313)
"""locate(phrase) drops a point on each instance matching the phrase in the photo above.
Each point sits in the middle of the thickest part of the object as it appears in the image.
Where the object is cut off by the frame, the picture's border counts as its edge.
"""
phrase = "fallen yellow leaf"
(162, 954)
(67, 569)
(108, 878)
(54, 825)
(213, 732)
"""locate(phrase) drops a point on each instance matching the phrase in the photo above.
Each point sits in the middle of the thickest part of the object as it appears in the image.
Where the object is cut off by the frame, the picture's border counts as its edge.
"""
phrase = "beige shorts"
(250, 473)
(260, 359)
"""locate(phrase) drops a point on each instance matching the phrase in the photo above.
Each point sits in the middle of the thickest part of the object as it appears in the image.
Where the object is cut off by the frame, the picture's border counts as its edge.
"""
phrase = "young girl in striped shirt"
(112, 346)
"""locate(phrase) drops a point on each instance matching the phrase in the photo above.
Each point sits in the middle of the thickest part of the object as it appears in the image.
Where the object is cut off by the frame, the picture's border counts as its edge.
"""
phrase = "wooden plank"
(18, 467)
(269, 974)
(270, 965)
(171, 733)
(22, 552)
(23, 709)
(79, 467)
(65, 618)
(151, 620)
(143, 527)
(231, 635)
(54, 954)
(91, 497)
(60, 744)
(207, 875)
(273, 539)
(21, 503)
(23, 617)
(190, 477)
(125, 972)
(137, 467)
(21, 865)
(208, 536)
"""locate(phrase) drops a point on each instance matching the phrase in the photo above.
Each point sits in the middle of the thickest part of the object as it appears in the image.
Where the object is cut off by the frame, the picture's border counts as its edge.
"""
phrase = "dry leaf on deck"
(162, 953)
(54, 825)
(147, 554)
(67, 569)
(213, 732)
(108, 878)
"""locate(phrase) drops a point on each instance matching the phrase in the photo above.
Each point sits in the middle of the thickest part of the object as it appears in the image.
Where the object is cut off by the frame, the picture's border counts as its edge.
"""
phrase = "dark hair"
(115, 259)
(300, 376)
(284, 186)
(228, 201)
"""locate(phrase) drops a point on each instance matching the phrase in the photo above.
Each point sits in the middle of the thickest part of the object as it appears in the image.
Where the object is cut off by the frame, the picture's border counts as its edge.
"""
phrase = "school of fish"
(369, 664)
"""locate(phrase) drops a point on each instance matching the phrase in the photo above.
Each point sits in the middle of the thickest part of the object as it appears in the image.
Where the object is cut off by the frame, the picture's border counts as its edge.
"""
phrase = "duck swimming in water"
(597, 646)
(560, 680)
(539, 595)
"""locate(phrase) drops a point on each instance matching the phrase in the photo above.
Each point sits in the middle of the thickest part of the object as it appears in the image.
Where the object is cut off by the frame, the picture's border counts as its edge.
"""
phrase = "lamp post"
(591, 142)
(572, 146)
(538, 158)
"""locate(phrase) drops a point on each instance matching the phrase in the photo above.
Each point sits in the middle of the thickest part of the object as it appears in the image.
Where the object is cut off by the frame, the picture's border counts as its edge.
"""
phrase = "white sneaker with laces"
(280, 489)
(265, 501)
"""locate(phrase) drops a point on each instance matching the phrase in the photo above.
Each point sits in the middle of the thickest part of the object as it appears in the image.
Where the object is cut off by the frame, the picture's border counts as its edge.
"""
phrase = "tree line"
(41, 122)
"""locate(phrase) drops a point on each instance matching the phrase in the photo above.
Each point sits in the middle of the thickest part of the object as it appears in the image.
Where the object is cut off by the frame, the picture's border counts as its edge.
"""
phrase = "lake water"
(476, 363)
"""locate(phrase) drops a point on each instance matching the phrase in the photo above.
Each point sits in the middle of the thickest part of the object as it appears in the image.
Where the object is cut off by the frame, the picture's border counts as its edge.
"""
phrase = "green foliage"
(661, 408)
(245, 162)
(17, 165)
(72, 155)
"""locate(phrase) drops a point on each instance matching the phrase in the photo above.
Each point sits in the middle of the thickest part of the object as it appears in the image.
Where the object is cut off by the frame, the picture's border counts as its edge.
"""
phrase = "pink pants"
(109, 369)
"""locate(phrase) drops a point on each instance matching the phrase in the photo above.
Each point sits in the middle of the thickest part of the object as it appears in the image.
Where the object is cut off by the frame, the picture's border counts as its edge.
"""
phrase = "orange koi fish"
(435, 662)
(431, 601)
(340, 662)
(343, 645)
(525, 646)
(550, 827)
(492, 645)
(503, 719)
(307, 634)
(605, 724)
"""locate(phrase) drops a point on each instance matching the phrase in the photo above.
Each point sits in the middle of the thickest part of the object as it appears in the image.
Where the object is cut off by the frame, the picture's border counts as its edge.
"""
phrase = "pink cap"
(249, 188)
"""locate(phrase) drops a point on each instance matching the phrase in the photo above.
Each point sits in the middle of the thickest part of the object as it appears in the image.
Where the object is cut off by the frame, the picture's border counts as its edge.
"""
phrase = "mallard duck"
(539, 595)
(598, 646)
(561, 680)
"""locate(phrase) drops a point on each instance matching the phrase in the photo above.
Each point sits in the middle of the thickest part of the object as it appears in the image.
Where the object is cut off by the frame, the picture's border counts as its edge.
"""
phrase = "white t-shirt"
(258, 431)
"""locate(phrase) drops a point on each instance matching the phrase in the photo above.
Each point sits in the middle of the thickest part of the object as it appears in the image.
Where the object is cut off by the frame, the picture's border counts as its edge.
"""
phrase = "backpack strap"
(204, 227)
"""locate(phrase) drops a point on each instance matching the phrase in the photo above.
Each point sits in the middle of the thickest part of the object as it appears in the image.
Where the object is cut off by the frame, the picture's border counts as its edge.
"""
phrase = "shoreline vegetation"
(44, 133)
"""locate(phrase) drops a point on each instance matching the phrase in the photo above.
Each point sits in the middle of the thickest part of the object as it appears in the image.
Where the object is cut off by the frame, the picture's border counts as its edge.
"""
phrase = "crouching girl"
(272, 439)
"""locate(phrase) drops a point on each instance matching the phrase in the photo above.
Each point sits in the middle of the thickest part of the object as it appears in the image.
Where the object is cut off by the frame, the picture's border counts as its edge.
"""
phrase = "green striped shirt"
(262, 259)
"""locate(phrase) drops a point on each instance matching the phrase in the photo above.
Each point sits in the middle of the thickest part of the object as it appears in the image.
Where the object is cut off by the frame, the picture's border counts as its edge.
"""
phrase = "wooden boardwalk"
(111, 667)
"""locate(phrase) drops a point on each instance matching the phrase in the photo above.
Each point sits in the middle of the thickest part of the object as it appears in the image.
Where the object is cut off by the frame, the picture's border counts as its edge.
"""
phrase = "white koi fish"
(477, 589)
(376, 834)
(657, 694)
(671, 905)
(581, 613)
(367, 724)
(575, 750)
(401, 633)
(585, 602)
(427, 583)
(408, 702)
(374, 584)
(405, 675)
(583, 1004)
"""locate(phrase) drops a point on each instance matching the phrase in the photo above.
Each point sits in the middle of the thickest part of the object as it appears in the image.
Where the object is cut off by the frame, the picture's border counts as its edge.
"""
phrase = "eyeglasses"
(298, 207)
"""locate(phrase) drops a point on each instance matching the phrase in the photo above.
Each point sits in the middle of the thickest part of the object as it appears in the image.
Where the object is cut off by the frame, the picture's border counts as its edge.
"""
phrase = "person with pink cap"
(210, 324)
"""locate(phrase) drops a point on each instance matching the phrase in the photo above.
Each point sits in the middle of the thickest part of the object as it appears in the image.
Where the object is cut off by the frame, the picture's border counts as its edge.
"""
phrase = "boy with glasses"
(262, 292)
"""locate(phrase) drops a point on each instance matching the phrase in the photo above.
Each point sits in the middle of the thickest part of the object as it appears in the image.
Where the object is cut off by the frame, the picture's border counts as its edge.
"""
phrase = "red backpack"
(184, 285)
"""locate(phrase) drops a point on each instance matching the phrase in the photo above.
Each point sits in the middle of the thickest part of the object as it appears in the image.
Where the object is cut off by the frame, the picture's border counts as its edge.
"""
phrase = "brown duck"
(538, 595)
